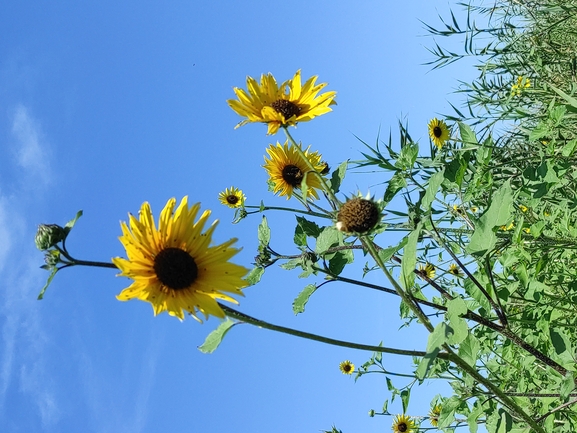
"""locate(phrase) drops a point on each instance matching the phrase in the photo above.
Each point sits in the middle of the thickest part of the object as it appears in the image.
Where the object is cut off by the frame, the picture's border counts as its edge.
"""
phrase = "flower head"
(347, 367)
(283, 105)
(403, 424)
(427, 271)
(434, 415)
(454, 270)
(358, 215)
(174, 267)
(287, 168)
(439, 132)
(232, 197)
(522, 83)
(48, 235)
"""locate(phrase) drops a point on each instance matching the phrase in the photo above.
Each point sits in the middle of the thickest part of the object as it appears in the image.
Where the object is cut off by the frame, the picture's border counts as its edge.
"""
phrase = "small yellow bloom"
(439, 132)
(434, 415)
(347, 367)
(454, 270)
(427, 271)
(403, 424)
(507, 227)
(281, 106)
(523, 208)
(287, 169)
(522, 83)
(527, 230)
(232, 197)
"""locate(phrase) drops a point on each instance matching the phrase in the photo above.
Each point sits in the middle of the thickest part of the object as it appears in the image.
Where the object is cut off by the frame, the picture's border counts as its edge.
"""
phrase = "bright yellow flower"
(522, 83)
(287, 169)
(283, 105)
(174, 267)
(427, 270)
(523, 208)
(347, 367)
(232, 197)
(434, 415)
(454, 270)
(403, 424)
(507, 227)
(439, 132)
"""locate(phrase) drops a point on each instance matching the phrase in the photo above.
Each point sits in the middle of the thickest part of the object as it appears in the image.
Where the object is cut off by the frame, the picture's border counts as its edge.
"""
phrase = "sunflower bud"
(372, 413)
(51, 258)
(358, 215)
(49, 235)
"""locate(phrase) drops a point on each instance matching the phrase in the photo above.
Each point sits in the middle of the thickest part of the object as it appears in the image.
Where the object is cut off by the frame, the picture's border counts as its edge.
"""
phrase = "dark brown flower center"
(232, 199)
(402, 427)
(287, 108)
(358, 215)
(175, 268)
(292, 175)
(437, 131)
(347, 367)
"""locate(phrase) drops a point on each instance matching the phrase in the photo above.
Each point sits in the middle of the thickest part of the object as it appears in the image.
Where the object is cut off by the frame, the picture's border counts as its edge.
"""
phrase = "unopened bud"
(49, 235)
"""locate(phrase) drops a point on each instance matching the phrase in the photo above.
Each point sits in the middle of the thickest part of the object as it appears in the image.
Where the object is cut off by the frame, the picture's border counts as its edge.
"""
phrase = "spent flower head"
(359, 215)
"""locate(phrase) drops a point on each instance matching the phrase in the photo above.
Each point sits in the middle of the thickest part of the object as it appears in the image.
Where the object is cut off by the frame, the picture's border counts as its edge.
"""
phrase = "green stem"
(74, 262)
(230, 312)
(306, 212)
(323, 181)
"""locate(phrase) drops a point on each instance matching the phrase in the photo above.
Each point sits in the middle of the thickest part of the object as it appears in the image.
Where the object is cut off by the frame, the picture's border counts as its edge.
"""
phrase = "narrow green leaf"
(338, 176)
(409, 260)
(396, 184)
(434, 183)
(48, 281)
(386, 253)
(214, 339)
(263, 233)
(572, 101)
(569, 148)
(70, 224)
(405, 397)
(303, 297)
(255, 275)
(567, 386)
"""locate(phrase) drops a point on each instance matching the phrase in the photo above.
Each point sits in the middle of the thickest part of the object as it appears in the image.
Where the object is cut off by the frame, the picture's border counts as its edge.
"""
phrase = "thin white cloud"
(24, 360)
(30, 154)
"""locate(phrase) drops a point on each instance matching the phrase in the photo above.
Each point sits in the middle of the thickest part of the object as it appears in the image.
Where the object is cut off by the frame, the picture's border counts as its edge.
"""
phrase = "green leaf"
(467, 135)
(469, 350)
(326, 239)
(455, 309)
(434, 183)
(338, 176)
(263, 233)
(409, 260)
(214, 339)
(255, 275)
(569, 148)
(405, 397)
(499, 213)
(396, 184)
(567, 386)
(572, 101)
(70, 224)
(48, 281)
(408, 156)
(386, 253)
(301, 300)
(448, 410)
(436, 340)
(338, 262)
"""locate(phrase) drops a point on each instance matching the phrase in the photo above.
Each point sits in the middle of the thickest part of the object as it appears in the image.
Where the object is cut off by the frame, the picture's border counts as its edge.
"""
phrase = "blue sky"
(104, 105)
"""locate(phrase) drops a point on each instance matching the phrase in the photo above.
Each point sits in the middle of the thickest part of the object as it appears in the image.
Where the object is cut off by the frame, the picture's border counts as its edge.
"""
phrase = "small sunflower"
(174, 267)
(434, 415)
(358, 215)
(283, 105)
(287, 169)
(232, 197)
(523, 208)
(439, 132)
(347, 367)
(427, 271)
(403, 424)
(454, 270)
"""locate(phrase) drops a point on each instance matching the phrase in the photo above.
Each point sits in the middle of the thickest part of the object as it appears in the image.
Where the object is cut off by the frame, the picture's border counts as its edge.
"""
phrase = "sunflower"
(439, 132)
(454, 270)
(283, 105)
(427, 271)
(358, 215)
(403, 424)
(287, 169)
(174, 267)
(347, 367)
(232, 197)
(434, 415)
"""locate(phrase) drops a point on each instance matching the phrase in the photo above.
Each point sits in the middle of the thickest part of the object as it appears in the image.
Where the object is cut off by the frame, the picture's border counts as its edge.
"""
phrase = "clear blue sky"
(104, 105)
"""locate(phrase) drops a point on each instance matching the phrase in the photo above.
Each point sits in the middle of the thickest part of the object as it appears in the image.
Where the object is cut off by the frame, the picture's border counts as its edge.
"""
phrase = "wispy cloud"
(24, 341)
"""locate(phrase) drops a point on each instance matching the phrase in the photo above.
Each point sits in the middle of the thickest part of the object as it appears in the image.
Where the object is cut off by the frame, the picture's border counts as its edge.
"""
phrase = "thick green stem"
(305, 212)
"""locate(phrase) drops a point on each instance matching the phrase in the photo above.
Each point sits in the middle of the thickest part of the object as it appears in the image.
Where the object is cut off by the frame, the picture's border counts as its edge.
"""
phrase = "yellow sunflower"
(283, 105)
(454, 270)
(287, 169)
(232, 197)
(434, 415)
(427, 270)
(439, 132)
(403, 424)
(174, 267)
(347, 367)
